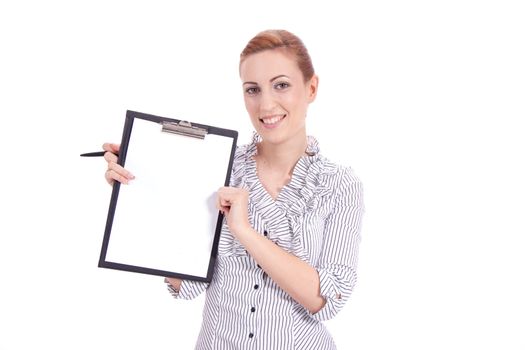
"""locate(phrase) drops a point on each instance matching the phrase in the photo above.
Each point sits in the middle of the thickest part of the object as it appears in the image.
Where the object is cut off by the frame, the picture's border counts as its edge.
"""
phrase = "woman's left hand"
(233, 202)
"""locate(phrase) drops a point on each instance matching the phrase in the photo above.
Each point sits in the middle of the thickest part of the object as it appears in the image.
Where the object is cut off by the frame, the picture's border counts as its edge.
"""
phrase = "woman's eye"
(252, 90)
(281, 85)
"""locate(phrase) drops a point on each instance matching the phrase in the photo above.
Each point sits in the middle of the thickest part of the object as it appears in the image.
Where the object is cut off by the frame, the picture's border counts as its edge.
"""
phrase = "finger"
(219, 203)
(115, 147)
(222, 204)
(119, 170)
(224, 198)
(224, 210)
(112, 176)
(108, 178)
(231, 196)
(227, 193)
(233, 191)
(228, 190)
(111, 147)
(110, 157)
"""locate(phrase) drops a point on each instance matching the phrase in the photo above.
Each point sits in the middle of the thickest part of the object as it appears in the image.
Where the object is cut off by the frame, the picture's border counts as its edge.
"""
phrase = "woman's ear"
(312, 86)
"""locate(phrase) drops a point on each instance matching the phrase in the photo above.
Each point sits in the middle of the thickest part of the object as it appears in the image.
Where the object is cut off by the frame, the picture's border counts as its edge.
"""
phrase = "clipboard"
(165, 221)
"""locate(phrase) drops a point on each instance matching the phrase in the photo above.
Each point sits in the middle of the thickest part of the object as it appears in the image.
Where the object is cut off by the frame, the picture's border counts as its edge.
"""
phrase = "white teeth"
(272, 120)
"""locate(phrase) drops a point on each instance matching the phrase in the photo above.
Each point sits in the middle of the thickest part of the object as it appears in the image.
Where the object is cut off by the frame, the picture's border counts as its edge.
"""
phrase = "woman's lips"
(273, 121)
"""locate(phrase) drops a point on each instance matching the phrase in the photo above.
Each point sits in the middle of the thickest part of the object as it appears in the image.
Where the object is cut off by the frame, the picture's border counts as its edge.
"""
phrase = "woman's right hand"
(115, 172)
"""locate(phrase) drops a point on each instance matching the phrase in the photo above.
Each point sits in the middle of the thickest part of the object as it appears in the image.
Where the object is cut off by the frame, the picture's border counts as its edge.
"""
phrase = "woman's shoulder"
(327, 170)
(336, 173)
(342, 181)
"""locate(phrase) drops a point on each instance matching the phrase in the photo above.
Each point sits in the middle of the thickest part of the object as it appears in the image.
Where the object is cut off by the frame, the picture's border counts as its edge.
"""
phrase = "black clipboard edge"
(126, 134)
(218, 229)
(148, 271)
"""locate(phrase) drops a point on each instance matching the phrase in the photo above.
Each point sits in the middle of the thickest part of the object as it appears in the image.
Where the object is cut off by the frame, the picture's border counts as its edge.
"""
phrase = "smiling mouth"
(273, 120)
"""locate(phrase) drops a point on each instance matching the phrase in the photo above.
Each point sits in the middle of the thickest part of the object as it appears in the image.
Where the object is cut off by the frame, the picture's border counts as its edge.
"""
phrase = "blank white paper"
(166, 218)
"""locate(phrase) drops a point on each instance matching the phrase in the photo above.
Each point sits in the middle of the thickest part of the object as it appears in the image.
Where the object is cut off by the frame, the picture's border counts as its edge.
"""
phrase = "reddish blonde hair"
(281, 39)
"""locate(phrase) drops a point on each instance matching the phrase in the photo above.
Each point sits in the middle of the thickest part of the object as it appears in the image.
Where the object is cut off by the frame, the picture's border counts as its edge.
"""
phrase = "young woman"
(288, 249)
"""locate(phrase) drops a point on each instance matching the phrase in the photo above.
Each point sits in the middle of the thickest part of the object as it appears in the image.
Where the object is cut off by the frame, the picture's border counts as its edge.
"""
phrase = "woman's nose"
(267, 102)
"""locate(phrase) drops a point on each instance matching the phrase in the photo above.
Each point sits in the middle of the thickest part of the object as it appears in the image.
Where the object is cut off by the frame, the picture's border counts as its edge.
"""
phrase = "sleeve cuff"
(336, 285)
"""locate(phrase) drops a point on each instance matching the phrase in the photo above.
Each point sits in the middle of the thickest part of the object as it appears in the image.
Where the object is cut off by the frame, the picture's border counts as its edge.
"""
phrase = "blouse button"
(265, 233)
(256, 286)
(250, 335)
(252, 309)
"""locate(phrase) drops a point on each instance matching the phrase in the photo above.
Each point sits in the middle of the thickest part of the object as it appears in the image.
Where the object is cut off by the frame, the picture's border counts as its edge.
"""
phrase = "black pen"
(94, 154)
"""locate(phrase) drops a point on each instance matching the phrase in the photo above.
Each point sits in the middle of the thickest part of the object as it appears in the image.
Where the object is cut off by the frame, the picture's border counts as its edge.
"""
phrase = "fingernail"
(131, 176)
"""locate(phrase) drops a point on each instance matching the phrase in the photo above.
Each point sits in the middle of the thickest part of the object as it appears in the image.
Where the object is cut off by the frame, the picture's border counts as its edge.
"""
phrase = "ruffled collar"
(312, 146)
(305, 188)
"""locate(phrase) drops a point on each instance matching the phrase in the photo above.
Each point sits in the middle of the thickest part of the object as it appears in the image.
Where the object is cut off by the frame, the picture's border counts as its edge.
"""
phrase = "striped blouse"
(317, 217)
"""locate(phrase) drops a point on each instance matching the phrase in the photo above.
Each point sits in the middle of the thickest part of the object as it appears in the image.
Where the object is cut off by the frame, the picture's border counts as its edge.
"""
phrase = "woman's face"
(275, 95)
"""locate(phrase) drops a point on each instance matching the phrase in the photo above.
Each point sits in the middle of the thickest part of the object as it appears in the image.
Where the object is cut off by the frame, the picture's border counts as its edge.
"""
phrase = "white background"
(425, 100)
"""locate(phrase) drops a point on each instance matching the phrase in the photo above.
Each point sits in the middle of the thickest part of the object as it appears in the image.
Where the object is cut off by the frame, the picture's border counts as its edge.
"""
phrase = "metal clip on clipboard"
(184, 128)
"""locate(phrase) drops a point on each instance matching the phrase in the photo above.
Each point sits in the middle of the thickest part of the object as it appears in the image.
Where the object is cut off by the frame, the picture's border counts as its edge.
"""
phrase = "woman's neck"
(281, 158)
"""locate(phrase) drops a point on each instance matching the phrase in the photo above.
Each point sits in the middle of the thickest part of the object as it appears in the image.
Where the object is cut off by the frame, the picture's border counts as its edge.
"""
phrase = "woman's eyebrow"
(271, 80)
(279, 76)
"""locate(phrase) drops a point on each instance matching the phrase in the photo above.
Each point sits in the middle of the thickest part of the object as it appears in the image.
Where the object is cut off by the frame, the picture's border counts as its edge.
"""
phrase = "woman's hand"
(115, 172)
(175, 282)
(233, 202)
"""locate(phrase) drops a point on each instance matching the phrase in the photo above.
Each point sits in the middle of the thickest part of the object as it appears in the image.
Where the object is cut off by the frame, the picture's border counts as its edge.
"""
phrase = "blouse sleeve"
(188, 289)
(338, 261)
